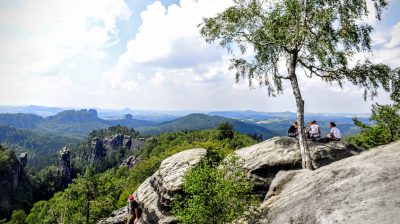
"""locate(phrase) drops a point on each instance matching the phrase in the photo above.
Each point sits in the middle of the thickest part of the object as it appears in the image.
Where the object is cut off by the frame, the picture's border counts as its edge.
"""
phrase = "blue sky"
(146, 54)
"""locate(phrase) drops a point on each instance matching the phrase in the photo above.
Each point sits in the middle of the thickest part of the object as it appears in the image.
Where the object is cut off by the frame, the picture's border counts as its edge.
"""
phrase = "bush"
(215, 194)
(225, 130)
(113, 186)
(18, 217)
(386, 130)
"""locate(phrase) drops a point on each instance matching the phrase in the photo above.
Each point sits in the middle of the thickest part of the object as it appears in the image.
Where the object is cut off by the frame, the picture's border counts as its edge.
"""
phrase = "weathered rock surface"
(360, 189)
(155, 194)
(130, 162)
(64, 167)
(102, 147)
(117, 141)
(117, 217)
(264, 160)
(97, 149)
(9, 181)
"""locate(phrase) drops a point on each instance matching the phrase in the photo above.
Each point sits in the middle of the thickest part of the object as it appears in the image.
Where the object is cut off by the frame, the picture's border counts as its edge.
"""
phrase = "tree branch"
(314, 70)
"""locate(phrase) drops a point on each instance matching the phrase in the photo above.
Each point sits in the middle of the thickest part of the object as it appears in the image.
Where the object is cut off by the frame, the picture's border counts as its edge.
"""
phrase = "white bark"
(304, 150)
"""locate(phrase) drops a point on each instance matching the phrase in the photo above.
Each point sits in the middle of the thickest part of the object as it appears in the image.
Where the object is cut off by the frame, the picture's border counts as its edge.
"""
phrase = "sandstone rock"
(264, 160)
(10, 182)
(127, 142)
(137, 143)
(64, 167)
(97, 149)
(130, 162)
(93, 113)
(155, 194)
(102, 147)
(117, 217)
(360, 189)
(113, 142)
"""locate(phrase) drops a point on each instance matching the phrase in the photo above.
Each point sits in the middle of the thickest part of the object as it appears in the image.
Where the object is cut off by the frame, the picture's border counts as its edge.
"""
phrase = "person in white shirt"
(335, 134)
(314, 131)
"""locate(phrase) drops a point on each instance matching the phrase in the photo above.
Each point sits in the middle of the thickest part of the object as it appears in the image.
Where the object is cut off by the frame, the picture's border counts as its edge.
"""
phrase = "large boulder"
(264, 160)
(360, 189)
(156, 193)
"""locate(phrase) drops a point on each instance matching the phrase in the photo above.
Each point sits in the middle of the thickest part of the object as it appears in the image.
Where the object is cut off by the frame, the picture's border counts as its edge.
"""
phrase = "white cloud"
(166, 65)
(52, 31)
(183, 71)
(168, 41)
(394, 36)
(172, 32)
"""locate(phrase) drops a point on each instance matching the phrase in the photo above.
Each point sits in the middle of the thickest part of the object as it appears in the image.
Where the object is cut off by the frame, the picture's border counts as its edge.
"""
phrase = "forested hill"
(201, 122)
(72, 123)
(41, 147)
(21, 120)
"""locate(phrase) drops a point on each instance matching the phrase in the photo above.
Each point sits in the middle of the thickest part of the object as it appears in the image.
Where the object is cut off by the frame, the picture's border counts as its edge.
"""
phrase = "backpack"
(131, 207)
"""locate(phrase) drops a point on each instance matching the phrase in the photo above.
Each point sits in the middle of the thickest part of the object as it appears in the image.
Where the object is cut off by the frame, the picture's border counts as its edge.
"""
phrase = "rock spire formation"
(64, 167)
(9, 183)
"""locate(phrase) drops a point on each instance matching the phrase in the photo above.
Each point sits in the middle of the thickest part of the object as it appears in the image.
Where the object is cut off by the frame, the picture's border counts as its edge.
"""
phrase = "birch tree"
(314, 38)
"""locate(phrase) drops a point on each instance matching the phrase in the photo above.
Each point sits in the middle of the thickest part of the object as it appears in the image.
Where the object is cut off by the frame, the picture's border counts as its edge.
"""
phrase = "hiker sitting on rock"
(292, 132)
(335, 134)
(133, 210)
(314, 131)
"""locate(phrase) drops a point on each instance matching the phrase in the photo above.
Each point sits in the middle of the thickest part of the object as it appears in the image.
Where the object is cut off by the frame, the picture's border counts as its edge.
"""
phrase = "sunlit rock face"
(359, 189)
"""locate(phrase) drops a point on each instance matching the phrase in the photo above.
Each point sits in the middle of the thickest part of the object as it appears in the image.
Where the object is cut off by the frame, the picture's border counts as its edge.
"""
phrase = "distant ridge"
(199, 121)
(72, 123)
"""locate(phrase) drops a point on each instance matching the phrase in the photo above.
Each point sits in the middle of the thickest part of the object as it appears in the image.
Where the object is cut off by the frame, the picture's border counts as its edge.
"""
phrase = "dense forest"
(40, 146)
(108, 190)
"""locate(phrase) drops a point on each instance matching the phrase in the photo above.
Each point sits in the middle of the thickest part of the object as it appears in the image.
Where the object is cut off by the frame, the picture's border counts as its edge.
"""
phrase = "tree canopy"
(322, 38)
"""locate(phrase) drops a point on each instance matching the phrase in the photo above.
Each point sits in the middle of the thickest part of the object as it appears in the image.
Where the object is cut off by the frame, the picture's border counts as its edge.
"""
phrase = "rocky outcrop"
(97, 149)
(117, 141)
(156, 193)
(116, 217)
(102, 147)
(360, 189)
(64, 167)
(130, 162)
(264, 160)
(9, 181)
(19, 169)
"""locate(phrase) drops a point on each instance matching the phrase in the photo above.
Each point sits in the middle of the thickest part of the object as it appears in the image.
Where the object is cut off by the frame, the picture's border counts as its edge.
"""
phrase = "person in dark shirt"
(292, 132)
(133, 210)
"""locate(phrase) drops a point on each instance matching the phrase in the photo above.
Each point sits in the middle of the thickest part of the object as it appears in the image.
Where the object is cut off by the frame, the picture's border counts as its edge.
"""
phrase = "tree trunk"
(303, 145)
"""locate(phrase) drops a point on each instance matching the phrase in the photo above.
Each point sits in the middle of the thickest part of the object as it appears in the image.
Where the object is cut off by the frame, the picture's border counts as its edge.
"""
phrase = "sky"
(146, 54)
